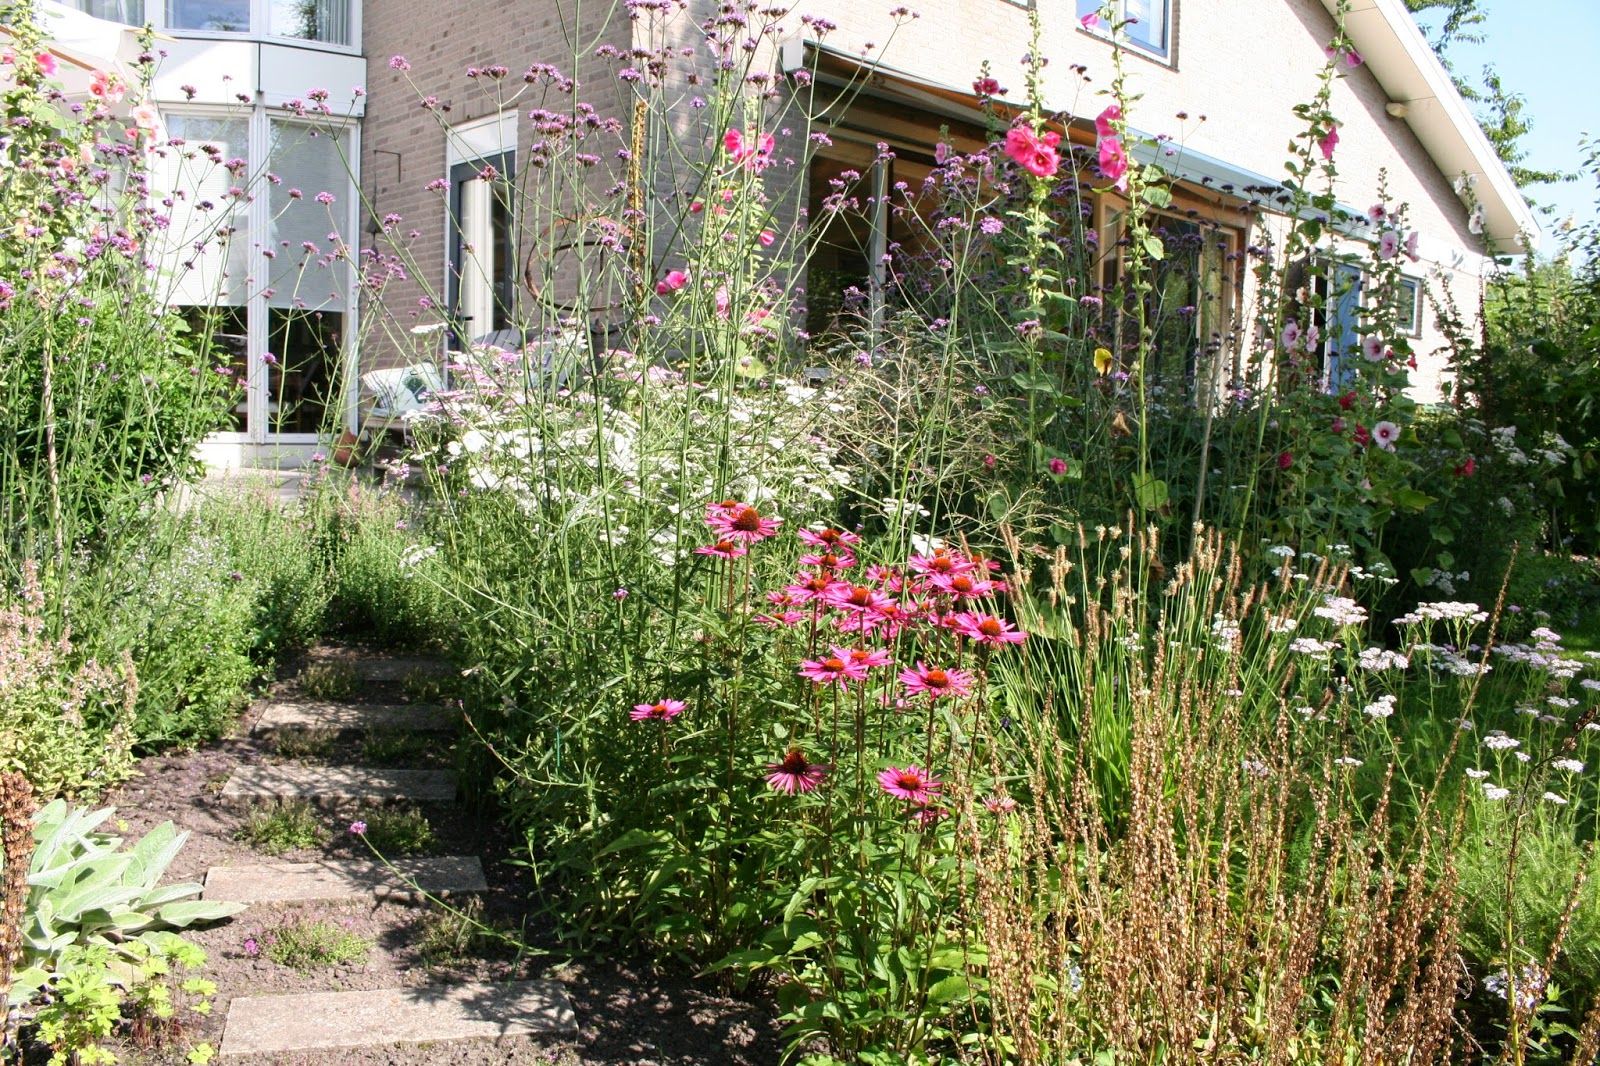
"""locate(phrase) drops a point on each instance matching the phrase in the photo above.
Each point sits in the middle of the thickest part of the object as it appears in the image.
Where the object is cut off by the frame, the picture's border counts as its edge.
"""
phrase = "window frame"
(1413, 327)
(157, 13)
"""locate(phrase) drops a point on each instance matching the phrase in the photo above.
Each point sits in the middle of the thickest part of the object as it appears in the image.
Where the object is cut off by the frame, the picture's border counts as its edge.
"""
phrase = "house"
(422, 135)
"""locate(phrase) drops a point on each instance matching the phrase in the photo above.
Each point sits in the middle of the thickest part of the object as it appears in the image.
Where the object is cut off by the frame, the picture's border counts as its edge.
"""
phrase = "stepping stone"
(316, 1021)
(342, 879)
(378, 667)
(354, 717)
(334, 785)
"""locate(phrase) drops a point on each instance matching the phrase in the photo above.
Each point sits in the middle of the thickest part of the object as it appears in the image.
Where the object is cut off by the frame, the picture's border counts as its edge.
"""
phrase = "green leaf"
(1154, 248)
(1157, 196)
(950, 990)
(1150, 492)
(1412, 499)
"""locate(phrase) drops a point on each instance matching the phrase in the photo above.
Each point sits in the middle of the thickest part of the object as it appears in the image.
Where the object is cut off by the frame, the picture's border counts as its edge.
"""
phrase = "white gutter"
(1411, 74)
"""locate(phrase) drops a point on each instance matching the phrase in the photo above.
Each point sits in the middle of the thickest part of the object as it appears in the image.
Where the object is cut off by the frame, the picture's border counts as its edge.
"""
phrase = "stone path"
(322, 1021)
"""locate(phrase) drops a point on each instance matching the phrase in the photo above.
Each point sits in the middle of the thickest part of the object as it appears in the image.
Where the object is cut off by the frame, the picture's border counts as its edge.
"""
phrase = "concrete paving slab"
(355, 717)
(315, 1021)
(375, 666)
(344, 879)
(333, 785)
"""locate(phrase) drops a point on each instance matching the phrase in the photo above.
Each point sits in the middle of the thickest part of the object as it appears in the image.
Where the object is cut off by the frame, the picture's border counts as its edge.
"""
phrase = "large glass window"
(1147, 24)
(483, 265)
(311, 20)
(218, 16)
(127, 12)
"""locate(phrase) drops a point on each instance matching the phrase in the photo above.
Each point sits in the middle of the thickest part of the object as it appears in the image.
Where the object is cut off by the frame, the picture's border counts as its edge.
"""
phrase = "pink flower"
(1388, 244)
(869, 658)
(782, 620)
(795, 773)
(1328, 142)
(839, 560)
(672, 282)
(753, 151)
(857, 599)
(358, 828)
(986, 628)
(660, 711)
(1411, 246)
(942, 561)
(1291, 335)
(741, 521)
(999, 804)
(840, 668)
(1372, 349)
(46, 62)
(252, 946)
(911, 783)
(1376, 214)
(1090, 21)
(1468, 468)
(1035, 153)
(766, 237)
(1386, 435)
(721, 299)
(723, 549)
(1114, 162)
(826, 538)
(1057, 465)
(965, 585)
(1285, 460)
(106, 86)
(1105, 122)
(934, 682)
(811, 588)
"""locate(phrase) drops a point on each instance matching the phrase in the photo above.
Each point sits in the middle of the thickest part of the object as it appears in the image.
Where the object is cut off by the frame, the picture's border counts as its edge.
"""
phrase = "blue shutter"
(1344, 322)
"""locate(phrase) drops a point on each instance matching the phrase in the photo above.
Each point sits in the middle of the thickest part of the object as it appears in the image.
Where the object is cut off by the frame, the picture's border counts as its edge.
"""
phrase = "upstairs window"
(325, 21)
(1146, 24)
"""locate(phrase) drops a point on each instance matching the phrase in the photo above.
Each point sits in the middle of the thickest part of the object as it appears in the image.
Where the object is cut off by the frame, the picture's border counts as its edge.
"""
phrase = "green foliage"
(314, 945)
(311, 744)
(386, 588)
(331, 680)
(274, 828)
(398, 831)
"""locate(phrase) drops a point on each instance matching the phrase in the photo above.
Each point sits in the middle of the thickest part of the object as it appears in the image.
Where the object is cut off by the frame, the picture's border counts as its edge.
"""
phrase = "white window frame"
(470, 142)
(155, 12)
(1167, 56)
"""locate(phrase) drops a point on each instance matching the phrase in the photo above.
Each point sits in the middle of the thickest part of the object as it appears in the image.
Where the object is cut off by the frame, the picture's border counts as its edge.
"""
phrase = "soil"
(626, 1013)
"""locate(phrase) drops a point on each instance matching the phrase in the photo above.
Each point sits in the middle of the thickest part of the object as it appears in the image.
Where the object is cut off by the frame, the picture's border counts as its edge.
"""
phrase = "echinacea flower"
(725, 548)
(838, 668)
(965, 586)
(986, 628)
(741, 521)
(856, 599)
(911, 783)
(934, 682)
(941, 561)
(1386, 435)
(999, 804)
(826, 538)
(829, 560)
(660, 711)
(866, 658)
(796, 773)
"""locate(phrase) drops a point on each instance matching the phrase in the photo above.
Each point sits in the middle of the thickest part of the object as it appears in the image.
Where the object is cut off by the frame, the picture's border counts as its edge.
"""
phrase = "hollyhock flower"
(987, 87)
(1114, 162)
(826, 538)
(1347, 400)
(722, 301)
(1468, 468)
(911, 783)
(986, 628)
(1376, 214)
(660, 711)
(856, 599)
(1388, 244)
(1035, 153)
(1090, 21)
(1328, 142)
(1386, 434)
(1410, 246)
(672, 282)
(741, 521)
(934, 682)
(1291, 335)
(796, 773)
(106, 86)
(46, 62)
(1285, 460)
(1372, 349)
(1362, 435)
(726, 548)
(752, 151)
(766, 237)
(1104, 123)
(1057, 465)
(840, 668)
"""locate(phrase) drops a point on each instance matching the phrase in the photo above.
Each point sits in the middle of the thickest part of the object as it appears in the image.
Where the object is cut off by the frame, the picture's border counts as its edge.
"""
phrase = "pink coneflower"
(782, 620)
(857, 599)
(1386, 435)
(934, 682)
(838, 668)
(963, 585)
(942, 561)
(868, 658)
(809, 588)
(929, 815)
(661, 711)
(999, 804)
(911, 783)
(741, 521)
(828, 560)
(887, 577)
(826, 538)
(986, 628)
(796, 773)
(723, 549)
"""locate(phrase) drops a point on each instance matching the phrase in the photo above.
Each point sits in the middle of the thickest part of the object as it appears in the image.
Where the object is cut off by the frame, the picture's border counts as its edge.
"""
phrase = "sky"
(1547, 51)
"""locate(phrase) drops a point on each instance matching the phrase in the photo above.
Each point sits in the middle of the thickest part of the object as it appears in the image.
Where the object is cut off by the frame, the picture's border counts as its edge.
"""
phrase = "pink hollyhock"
(986, 628)
(1114, 162)
(753, 151)
(766, 237)
(1035, 153)
(1057, 465)
(1285, 460)
(857, 599)
(726, 548)
(826, 538)
(672, 282)
(1105, 122)
(47, 63)
(1291, 335)
(1372, 349)
(660, 711)
(911, 783)
(987, 87)
(1388, 244)
(934, 682)
(1376, 214)
(836, 669)
(1386, 435)
(1411, 246)
(795, 773)
(106, 86)
(1328, 142)
(741, 521)
(1090, 21)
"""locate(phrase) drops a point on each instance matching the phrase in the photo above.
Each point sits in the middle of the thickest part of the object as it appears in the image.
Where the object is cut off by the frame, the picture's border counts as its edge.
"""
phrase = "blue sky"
(1549, 52)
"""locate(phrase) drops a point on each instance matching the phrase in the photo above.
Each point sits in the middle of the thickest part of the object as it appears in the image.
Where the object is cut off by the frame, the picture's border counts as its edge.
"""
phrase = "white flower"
(1494, 792)
(1571, 766)
(1281, 625)
(1500, 742)
(1341, 610)
(1477, 775)
(1382, 659)
(1282, 551)
(1382, 707)
(1386, 435)
(1551, 797)
(1346, 760)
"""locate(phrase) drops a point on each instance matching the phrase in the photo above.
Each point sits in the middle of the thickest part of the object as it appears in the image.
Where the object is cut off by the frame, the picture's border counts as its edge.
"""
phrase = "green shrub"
(330, 681)
(398, 830)
(274, 828)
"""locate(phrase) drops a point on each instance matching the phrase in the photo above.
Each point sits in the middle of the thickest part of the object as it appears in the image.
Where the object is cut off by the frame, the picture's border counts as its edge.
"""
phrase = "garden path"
(427, 989)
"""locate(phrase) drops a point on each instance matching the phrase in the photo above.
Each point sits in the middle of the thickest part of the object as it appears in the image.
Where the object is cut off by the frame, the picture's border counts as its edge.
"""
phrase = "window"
(327, 21)
(127, 12)
(1408, 307)
(1146, 24)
